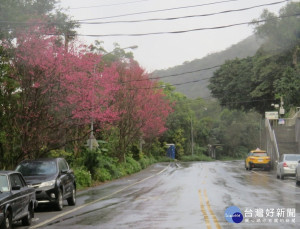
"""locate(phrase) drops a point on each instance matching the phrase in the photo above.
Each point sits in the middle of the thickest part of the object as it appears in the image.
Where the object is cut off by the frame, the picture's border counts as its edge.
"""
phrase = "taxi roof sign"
(258, 150)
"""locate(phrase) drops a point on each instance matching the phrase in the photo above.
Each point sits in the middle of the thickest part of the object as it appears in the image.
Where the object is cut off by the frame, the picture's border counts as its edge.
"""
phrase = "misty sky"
(167, 50)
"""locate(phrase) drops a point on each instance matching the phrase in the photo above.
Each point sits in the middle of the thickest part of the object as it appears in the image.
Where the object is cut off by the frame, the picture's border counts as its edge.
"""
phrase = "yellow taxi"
(258, 159)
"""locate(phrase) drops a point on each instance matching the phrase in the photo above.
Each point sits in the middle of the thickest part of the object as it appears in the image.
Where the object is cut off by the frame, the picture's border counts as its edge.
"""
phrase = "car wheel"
(26, 221)
(72, 199)
(297, 180)
(59, 201)
(7, 222)
(281, 176)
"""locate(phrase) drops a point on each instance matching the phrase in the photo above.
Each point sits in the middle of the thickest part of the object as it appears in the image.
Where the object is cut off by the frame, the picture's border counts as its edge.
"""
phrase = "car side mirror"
(64, 171)
(17, 187)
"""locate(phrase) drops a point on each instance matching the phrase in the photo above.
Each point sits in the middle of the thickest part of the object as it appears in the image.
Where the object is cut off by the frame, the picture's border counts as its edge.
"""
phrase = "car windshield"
(260, 154)
(3, 183)
(37, 168)
(292, 157)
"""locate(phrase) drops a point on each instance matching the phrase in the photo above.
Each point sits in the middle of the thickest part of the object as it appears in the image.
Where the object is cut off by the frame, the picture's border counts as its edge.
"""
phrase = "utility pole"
(92, 141)
(192, 136)
(281, 109)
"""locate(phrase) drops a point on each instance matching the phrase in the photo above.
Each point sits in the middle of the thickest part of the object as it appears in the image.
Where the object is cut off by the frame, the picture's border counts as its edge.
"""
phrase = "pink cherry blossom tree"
(142, 107)
(59, 91)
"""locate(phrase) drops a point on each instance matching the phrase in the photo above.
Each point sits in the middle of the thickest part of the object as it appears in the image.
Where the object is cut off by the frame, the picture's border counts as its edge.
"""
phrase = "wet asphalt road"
(182, 195)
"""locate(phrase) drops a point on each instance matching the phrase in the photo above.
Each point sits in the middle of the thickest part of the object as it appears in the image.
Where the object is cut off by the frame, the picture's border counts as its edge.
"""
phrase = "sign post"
(271, 115)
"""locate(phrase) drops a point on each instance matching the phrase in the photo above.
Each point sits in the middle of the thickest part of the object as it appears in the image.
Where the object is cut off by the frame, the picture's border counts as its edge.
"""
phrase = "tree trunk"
(295, 57)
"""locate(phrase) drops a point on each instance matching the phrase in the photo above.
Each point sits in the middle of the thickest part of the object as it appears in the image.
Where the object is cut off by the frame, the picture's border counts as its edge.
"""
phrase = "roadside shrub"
(83, 177)
(164, 159)
(101, 174)
(61, 153)
(91, 159)
(196, 157)
(132, 166)
(146, 161)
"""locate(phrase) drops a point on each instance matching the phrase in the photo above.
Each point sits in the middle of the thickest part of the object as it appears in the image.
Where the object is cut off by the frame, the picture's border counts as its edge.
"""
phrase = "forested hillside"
(245, 48)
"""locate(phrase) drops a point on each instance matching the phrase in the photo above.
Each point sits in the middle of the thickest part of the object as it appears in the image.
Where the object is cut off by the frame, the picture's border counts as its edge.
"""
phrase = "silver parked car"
(298, 173)
(286, 166)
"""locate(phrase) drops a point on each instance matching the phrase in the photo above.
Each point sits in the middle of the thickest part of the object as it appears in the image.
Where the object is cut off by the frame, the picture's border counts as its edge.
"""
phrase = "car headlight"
(47, 184)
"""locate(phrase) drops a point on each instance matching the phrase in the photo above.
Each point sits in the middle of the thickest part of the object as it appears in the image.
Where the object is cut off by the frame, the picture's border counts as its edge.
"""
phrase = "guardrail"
(290, 121)
(276, 145)
(273, 140)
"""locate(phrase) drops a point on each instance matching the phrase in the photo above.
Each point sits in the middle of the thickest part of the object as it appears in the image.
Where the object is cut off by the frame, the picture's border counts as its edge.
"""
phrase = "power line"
(161, 10)
(191, 102)
(160, 87)
(184, 17)
(183, 31)
(153, 19)
(176, 74)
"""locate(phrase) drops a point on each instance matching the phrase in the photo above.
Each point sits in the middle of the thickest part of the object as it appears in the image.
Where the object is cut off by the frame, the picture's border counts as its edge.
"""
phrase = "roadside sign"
(271, 115)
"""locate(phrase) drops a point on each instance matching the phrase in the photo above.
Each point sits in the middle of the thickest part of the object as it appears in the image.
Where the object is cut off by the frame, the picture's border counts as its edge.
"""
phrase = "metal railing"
(273, 141)
(290, 121)
(272, 144)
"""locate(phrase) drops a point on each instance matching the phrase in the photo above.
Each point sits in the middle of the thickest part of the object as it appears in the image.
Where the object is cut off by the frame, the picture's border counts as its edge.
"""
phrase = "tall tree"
(258, 81)
(142, 106)
(16, 14)
(57, 90)
(282, 33)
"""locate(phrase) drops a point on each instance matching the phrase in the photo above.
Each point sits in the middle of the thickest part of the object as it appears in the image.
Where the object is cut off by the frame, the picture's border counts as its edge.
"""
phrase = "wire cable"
(161, 10)
(147, 20)
(183, 31)
(184, 17)
(176, 74)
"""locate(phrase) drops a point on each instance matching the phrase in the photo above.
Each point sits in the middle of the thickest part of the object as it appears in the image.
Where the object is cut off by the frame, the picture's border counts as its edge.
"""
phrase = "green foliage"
(102, 174)
(164, 159)
(179, 141)
(14, 12)
(83, 177)
(60, 153)
(288, 85)
(257, 82)
(92, 160)
(155, 147)
(240, 153)
(146, 161)
(196, 157)
(282, 33)
(131, 165)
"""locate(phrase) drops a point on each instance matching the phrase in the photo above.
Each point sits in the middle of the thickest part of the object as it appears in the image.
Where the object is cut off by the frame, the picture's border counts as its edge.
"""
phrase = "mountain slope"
(245, 48)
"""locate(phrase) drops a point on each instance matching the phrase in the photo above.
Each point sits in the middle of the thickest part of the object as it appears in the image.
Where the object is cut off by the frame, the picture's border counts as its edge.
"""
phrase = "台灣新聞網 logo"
(233, 215)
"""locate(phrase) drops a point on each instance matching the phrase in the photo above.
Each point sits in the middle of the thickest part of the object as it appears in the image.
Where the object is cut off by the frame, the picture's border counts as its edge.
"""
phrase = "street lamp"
(92, 142)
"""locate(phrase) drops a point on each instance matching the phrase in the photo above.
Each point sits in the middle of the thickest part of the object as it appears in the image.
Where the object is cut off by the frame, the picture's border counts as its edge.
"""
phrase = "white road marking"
(95, 201)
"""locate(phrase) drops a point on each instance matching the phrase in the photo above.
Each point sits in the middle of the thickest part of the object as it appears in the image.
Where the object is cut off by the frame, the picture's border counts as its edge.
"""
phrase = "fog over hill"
(193, 90)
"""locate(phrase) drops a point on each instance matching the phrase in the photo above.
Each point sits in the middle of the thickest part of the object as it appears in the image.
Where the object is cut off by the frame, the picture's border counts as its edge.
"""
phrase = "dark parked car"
(17, 200)
(52, 178)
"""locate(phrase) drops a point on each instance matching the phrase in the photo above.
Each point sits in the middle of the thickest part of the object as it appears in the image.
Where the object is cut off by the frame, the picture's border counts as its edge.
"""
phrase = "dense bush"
(83, 177)
(196, 157)
(102, 174)
(146, 161)
(131, 165)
